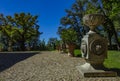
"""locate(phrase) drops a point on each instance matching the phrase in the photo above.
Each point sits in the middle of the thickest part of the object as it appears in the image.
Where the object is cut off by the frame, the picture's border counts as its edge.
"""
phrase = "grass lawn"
(113, 60)
(77, 53)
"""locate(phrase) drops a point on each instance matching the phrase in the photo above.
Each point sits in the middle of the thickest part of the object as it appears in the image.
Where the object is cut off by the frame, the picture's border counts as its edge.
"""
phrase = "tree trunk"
(10, 45)
(22, 46)
(110, 40)
(115, 33)
(0, 49)
(22, 43)
(117, 40)
(109, 24)
(28, 47)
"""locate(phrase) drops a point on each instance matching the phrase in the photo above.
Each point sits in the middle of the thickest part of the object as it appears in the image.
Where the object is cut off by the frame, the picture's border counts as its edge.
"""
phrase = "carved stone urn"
(93, 20)
(94, 46)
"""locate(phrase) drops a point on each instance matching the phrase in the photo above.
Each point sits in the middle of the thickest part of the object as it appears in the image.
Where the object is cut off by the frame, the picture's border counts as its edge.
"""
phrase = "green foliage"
(27, 24)
(77, 53)
(73, 19)
(92, 7)
(113, 60)
(109, 8)
(8, 30)
(66, 21)
(21, 29)
(69, 35)
(1, 45)
(42, 45)
(52, 43)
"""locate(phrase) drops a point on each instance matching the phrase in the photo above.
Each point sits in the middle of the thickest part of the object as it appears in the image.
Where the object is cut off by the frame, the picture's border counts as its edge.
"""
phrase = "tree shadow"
(8, 59)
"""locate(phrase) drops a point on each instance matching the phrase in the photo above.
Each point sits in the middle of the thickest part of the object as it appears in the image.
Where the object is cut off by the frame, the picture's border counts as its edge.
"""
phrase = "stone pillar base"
(87, 70)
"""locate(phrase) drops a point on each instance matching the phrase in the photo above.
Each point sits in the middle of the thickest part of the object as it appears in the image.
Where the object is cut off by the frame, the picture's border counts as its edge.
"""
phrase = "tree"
(21, 29)
(8, 31)
(28, 27)
(52, 43)
(42, 45)
(73, 19)
(110, 10)
(1, 42)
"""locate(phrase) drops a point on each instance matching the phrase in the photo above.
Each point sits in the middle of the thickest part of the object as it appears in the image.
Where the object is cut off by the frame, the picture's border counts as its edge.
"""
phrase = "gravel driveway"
(45, 66)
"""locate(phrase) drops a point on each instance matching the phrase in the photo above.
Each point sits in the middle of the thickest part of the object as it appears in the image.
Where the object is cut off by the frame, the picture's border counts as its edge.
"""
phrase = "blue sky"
(49, 12)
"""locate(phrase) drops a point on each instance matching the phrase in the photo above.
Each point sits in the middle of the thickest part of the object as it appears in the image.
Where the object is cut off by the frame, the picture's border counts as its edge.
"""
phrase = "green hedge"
(77, 53)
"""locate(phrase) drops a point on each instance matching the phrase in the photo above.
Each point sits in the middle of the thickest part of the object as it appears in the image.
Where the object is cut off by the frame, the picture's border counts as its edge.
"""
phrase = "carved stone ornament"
(93, 20)
(98, 46)
(93, 46)
(84, 48)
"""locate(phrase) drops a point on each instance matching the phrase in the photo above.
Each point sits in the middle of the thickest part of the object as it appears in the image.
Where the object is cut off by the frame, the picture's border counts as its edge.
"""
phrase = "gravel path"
(45, 66)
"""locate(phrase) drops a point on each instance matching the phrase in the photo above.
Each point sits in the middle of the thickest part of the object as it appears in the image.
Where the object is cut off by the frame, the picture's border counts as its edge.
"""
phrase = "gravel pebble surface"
(48, 66)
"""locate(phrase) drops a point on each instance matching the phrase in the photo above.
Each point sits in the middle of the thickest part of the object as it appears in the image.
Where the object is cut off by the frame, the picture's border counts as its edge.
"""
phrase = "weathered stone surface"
(89, 71)
(93, 20)
(101, 74)
(94, 48)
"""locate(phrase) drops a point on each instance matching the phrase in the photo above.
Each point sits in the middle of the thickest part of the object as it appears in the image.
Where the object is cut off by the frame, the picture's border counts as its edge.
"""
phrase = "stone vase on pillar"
(71, 48)
(94, 46)
(94, 49)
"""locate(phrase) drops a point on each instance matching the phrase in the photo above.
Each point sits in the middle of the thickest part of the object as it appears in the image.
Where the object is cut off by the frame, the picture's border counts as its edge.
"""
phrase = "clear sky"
(49, 12)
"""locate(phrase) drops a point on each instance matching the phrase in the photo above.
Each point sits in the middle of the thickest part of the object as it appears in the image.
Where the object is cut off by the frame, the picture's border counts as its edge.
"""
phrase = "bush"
(77, 53)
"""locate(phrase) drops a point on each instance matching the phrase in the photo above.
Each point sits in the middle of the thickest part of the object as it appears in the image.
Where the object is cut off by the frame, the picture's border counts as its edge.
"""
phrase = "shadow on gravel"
(8, 59)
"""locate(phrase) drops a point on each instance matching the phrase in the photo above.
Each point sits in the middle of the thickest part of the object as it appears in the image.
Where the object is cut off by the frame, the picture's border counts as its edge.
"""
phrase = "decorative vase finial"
(93, 20)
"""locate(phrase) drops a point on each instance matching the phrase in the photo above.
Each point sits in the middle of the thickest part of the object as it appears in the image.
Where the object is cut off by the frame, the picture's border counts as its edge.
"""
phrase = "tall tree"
(22, 28)
(74, 18)
(28, 27)
(42, 45)
(110, 10)
(8, 31)
(52, 43)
